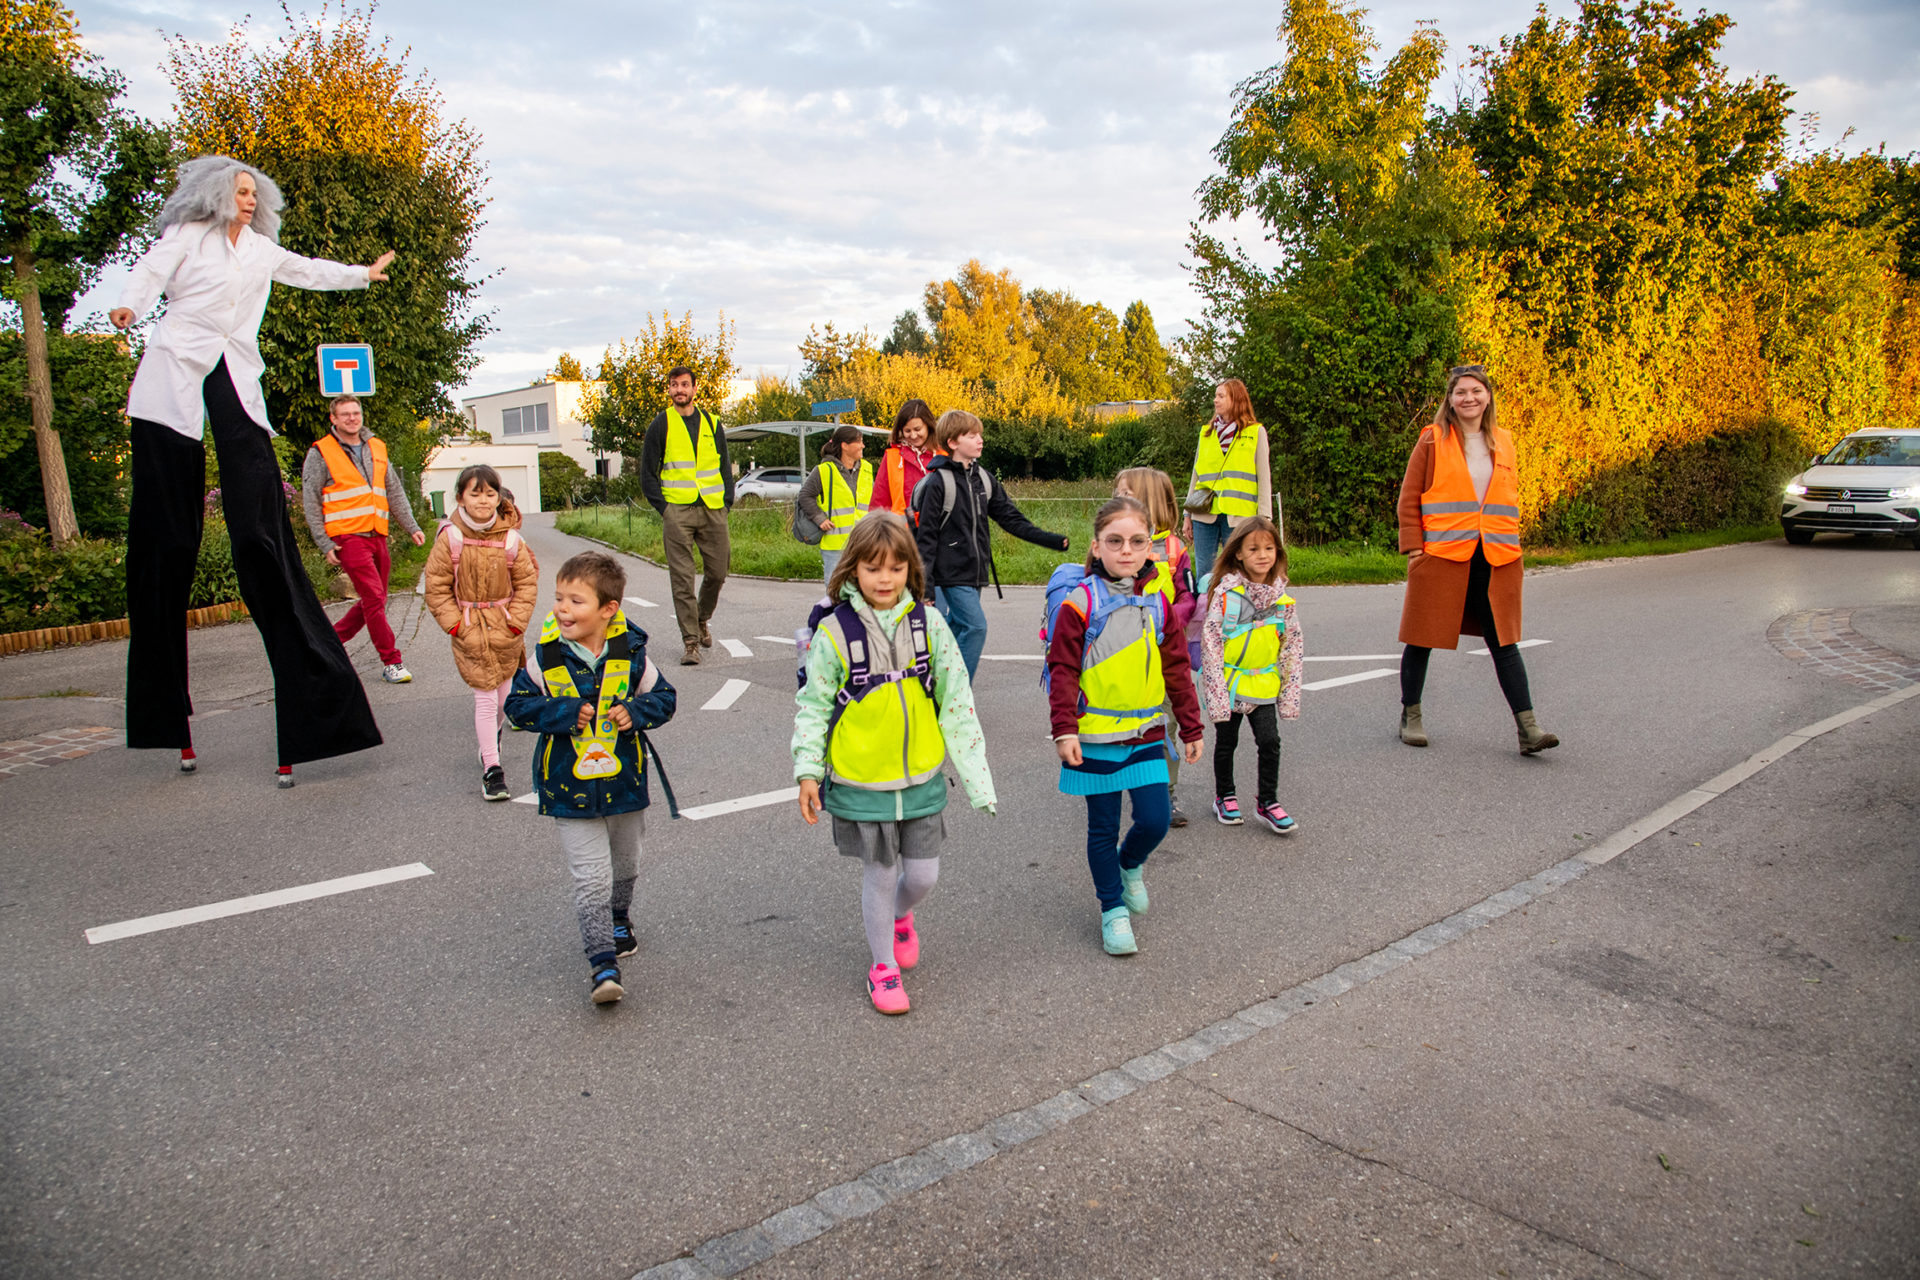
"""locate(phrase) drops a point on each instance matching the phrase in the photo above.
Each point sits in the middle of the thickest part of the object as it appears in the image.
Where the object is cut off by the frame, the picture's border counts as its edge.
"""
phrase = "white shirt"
(216, 295)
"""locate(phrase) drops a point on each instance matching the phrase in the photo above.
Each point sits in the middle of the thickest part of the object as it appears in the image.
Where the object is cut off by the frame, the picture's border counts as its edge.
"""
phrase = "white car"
(775, 484)
(1868, 483)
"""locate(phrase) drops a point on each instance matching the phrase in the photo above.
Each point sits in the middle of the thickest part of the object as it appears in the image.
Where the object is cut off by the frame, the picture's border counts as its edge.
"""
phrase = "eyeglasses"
(1114, 542)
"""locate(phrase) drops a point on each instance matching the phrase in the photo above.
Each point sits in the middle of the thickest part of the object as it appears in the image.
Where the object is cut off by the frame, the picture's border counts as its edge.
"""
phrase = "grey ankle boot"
(1411, 731)
(1533, 738)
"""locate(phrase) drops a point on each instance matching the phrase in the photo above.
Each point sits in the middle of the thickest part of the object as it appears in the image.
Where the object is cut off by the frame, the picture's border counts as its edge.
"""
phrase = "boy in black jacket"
(951, 509)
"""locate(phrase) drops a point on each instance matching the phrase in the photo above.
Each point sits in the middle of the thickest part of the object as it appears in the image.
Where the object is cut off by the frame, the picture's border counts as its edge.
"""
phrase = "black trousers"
(1266, 740)
(1507, 664)
(319, 705)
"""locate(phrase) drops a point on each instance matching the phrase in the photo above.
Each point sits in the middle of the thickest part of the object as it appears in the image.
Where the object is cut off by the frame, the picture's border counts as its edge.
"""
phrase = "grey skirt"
(884, 842)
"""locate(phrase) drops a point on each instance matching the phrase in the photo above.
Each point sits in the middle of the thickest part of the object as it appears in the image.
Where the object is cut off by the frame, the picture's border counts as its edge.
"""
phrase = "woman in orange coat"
(1460, 522)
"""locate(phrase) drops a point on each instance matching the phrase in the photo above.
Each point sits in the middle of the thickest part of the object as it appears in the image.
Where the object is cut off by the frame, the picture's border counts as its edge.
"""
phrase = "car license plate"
(1839, 508)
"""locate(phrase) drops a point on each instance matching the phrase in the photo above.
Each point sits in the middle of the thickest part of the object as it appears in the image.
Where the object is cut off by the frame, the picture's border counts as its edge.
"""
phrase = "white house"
(518, 465)
(546, 415)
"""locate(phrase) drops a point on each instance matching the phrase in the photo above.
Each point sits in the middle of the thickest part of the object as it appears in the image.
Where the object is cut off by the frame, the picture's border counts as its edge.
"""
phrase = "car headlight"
(1796, 489)
(1901, 495)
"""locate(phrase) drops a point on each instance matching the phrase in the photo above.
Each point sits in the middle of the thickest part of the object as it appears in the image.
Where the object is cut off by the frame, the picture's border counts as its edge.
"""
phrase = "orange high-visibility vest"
(896, 479)
(351, 503)
(1453, 520)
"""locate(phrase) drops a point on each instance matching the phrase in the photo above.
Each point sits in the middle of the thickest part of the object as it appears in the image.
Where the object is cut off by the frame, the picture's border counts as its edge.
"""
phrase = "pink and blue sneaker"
(1276, 817)
(1227, 810)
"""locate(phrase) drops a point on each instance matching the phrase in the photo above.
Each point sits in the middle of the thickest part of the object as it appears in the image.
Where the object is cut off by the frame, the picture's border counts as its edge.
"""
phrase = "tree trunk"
(53, 462)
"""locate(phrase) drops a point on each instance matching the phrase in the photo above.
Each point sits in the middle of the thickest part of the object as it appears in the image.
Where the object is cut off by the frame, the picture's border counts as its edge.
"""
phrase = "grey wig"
(204, 193)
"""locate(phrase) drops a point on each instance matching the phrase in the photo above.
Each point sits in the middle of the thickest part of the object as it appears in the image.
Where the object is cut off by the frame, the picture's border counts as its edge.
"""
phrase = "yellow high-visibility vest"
(841, 505)
(1251, 655)
(1167, 549)
(1230, 474)
(689, 468)
(1454, 520)
(1122, 687)
(888, 738)
(351, 503)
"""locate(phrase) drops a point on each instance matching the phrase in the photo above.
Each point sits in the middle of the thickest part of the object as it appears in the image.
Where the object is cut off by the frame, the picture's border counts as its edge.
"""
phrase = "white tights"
(887, 893)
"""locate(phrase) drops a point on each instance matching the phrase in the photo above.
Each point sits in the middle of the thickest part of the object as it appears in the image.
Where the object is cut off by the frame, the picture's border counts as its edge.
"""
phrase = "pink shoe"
(883, 984)
(906, 942)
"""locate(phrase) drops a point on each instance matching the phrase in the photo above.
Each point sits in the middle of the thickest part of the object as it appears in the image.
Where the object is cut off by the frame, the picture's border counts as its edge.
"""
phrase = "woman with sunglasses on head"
(1460, 524)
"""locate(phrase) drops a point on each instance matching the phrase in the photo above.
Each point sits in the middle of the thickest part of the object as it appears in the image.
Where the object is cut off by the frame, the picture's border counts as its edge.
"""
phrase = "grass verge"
(762, 546)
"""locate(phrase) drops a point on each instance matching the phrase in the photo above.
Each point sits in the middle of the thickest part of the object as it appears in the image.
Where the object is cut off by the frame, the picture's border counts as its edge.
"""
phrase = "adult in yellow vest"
(1460, 522)
(351, 497)
(837, 493)
(685, 474)
(1233, 463)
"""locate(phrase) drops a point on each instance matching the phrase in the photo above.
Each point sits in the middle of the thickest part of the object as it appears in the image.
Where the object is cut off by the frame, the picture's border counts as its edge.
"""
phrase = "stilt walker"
(216, 261)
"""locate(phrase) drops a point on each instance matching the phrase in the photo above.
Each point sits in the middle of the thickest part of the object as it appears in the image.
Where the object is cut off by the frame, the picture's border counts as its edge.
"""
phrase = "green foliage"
(360, 150)
(91, 373)
(909, 336)
(566, 369)
(214, 579)
(560, 479)
(633, 379)
(46, 586)
(825, 353)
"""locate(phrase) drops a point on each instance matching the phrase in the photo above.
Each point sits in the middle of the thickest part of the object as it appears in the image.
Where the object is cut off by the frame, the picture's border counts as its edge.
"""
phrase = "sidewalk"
(1697, 1060)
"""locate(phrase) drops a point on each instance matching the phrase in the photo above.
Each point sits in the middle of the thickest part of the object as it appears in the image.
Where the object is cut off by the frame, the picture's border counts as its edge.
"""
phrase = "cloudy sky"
(793, 163)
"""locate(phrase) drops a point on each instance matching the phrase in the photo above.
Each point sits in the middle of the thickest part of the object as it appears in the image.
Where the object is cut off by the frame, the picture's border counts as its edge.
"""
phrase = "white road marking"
(255, 902)
(777, 639)
(638, 603)
(1524, 644)
(1013, 657)
(532, 797)
(1354, 657)
(736, 648)
(729, 694)
(1355, 678)
(760, 801)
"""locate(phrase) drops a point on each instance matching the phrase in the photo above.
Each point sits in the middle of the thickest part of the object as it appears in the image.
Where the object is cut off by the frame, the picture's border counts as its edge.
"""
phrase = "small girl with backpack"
(481, 583)
(884, 699)
(1114, 659)
(1153, 489)
(1250, 655)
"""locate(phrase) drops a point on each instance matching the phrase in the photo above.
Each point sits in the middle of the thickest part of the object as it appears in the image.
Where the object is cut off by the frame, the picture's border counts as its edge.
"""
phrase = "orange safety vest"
(350, 503)
(896, 479)
(1454, 521)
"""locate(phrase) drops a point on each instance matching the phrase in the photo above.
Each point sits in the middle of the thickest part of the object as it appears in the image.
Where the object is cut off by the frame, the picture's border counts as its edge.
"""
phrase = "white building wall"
(518, 465)
(563, 429)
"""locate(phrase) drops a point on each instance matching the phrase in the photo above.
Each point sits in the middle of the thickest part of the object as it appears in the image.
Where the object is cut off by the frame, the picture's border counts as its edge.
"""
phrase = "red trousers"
(365, 561)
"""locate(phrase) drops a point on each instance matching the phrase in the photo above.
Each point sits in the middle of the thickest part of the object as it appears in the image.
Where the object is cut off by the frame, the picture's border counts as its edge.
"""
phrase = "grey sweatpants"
(603, 856)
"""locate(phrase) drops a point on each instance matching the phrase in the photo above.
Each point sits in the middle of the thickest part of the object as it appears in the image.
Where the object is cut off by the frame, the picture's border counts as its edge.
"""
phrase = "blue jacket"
(532, 706)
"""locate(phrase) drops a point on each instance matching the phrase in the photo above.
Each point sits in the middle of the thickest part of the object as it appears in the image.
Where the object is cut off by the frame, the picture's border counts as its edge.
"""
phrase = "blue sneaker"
(1276, 817)
(1226, 809)
(606, 983)
(624, 944)
(1133, 889)
(1116, 933)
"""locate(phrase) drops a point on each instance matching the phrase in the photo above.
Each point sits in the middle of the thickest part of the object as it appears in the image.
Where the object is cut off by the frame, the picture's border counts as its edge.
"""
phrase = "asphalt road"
(409, 1079)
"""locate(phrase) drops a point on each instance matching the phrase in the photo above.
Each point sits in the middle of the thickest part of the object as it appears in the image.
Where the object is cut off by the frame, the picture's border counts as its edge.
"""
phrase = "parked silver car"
(775, 484)
(1868, 483)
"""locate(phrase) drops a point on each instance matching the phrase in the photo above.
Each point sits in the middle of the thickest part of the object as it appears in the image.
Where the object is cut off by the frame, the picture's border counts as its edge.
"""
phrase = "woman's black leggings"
(1507, 664)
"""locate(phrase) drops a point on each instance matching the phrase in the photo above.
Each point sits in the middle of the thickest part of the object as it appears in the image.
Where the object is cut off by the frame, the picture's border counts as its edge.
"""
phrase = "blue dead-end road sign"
(822, 408)
(346, 368)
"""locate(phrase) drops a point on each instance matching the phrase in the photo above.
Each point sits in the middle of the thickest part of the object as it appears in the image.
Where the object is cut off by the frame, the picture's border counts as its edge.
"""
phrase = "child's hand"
(810, 801)
(1190, 751)
(584, 721)
(621, 717)
(1069, 749)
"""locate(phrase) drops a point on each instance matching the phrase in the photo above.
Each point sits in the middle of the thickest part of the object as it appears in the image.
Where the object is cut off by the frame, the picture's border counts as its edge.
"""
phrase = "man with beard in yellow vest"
(686, 476)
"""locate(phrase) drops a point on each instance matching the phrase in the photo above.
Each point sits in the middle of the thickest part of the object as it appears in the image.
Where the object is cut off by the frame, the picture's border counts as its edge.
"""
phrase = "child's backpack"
(456, 543)
(861, 678)
(1097, 602)
(949, 489)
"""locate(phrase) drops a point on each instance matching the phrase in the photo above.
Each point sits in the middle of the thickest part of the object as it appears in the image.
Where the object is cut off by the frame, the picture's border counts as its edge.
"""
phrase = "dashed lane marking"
(761, 801)
(254, 902)
(1353, 657)
(1524, 644)
(532, 797)
(1355, 678)
(736, 648)
(1012, 657)
(729, 694)
(777, 639)
(638, 603)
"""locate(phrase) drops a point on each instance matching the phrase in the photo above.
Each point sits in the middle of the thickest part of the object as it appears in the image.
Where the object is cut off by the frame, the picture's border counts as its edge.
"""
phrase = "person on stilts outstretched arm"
(216, 260)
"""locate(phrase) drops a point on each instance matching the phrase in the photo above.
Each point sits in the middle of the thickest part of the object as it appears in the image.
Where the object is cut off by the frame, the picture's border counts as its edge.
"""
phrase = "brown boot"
(691, 658)
(1411, 731)
(706, 636)
(1533, 738)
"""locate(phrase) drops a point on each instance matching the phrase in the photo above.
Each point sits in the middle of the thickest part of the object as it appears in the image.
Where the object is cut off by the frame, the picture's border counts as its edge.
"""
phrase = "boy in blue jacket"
(588, 695)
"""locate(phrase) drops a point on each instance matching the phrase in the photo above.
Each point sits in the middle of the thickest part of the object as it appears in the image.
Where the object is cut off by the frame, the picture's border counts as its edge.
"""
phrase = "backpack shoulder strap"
(455, 543)
(859, 661)
(922, 646)
(514, 542)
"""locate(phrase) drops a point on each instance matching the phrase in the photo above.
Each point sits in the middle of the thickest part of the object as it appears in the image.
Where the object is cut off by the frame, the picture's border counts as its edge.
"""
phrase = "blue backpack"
(1098, 601)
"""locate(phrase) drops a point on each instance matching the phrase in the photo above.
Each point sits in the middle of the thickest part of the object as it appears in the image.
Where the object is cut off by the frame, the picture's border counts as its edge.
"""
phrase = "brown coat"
(1434, 614)
(487, 643)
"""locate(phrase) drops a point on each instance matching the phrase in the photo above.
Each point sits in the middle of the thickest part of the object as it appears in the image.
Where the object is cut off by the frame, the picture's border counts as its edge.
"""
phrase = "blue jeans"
(1207, 541)
(960, 606)
(828, 559)
(1107, 853)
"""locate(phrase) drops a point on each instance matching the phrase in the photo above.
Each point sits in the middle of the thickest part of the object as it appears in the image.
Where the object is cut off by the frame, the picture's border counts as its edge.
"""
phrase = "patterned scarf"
(1226, 431)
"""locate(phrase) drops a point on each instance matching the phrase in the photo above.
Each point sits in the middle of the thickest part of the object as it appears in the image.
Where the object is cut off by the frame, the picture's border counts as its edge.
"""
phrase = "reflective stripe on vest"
(1250, 658)
(596, 751)
(351, 503)
(1121, 685)
(842, 505)
(1453, 521)
(690, 469)
(887, 736)
(1230, 474)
